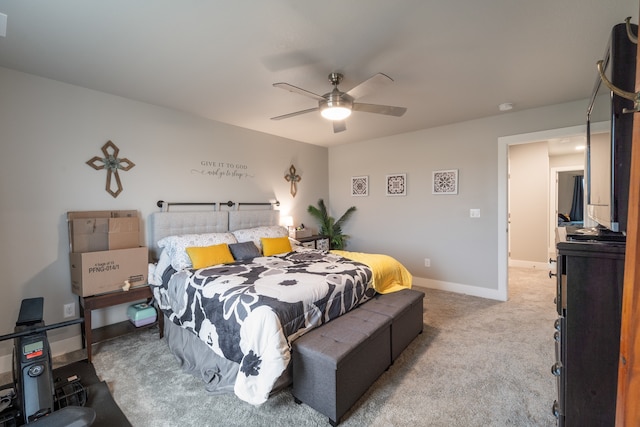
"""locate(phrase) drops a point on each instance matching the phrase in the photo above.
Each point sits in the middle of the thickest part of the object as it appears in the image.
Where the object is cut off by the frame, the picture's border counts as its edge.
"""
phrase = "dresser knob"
(556, 336)
(555, 409)
(556, 368)
(552, 274)
(552, 260)
(556, 324)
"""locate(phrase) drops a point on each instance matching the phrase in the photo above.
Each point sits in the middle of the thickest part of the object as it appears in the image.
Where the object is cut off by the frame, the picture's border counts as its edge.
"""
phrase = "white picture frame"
(396, 184)
(360, 186)
(444, 182)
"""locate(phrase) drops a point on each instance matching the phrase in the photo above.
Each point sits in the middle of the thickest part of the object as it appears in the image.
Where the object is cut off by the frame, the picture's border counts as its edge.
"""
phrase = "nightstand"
(87, 304)
(315, 242)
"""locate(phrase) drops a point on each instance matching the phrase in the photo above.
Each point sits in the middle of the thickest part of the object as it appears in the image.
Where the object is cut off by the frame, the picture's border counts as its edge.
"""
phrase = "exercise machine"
(36, 400)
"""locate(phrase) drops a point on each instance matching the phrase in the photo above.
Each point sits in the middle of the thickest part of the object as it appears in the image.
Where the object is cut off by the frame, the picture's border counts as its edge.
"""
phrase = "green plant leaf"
(329, 226)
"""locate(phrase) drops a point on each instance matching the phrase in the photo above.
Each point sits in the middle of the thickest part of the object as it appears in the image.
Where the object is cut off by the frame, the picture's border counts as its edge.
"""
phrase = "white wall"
(50, 129)
(463, 250)
(528, 203)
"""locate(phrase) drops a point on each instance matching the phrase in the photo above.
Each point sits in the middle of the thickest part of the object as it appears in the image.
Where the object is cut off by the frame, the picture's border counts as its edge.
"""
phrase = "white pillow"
(254, 234)
(176, 246)
(163, 263)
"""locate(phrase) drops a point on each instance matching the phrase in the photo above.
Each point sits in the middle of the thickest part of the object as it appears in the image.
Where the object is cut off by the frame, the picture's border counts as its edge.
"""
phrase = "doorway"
(503, 189)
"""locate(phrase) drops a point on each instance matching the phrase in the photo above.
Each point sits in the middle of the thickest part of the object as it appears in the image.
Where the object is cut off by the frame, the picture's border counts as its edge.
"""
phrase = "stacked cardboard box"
(105, 252)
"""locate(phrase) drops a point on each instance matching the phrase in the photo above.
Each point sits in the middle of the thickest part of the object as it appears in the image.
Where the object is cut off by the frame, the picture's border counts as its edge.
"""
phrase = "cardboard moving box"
(299, 234)
(100, 272)
(91, 231)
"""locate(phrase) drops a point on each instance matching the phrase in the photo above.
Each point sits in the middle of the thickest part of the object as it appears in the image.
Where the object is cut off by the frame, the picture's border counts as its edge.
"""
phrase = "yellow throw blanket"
(388, 274)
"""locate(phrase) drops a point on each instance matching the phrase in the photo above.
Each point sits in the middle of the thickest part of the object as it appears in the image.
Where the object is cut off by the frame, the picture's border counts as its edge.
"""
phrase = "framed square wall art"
(445, 182)
(397, 184)
(360, 185)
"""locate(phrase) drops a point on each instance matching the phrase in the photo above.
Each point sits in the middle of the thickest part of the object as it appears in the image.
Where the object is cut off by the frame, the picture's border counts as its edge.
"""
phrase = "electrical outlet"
(427, 262)
(69, 310)
(474, 213)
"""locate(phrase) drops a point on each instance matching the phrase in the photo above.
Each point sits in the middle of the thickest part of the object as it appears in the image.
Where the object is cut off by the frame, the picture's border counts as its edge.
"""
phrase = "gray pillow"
(244, 250)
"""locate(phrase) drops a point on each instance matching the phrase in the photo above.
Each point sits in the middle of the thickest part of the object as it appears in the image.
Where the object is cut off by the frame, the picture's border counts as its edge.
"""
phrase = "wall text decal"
(222, 170)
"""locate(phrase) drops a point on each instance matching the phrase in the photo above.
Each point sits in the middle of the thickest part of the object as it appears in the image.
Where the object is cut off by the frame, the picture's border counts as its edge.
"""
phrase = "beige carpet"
(478, 363)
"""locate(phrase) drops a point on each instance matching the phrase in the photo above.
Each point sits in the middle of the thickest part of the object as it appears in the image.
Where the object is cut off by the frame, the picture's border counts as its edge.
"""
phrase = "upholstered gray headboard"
(239, 220)
(174, 223)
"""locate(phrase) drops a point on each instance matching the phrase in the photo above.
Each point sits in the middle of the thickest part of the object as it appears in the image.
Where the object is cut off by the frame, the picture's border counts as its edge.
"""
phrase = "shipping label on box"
(94, 273)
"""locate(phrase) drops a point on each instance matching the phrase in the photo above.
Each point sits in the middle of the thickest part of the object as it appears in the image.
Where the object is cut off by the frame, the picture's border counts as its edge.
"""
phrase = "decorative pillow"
(207, 256)
(244, 250)
(176, 246)
(275, 245)
(254, 234)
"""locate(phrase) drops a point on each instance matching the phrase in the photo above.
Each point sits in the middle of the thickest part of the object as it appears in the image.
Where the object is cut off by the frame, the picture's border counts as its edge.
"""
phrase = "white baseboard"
(57, 348)
(529, 264)
(458, 288)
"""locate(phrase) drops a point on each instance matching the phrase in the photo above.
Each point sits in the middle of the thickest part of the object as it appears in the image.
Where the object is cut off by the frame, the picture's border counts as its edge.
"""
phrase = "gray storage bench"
(335, 364)
(405, 308)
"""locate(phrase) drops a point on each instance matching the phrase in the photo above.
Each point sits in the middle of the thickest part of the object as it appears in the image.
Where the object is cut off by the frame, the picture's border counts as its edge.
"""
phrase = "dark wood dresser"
(587, 337)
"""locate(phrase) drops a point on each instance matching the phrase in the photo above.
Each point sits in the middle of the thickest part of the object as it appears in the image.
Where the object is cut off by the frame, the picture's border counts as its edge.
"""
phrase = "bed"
(231, 321)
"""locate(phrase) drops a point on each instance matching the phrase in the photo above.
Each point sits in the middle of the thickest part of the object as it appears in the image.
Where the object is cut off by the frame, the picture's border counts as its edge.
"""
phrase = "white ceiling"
(451, 60)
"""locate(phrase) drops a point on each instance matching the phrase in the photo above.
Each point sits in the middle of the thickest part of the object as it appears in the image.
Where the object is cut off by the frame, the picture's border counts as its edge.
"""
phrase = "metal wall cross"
(112, 164)
(293, 179)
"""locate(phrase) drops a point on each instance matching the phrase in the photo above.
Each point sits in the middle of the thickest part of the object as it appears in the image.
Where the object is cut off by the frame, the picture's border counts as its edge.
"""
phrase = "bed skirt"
(196, 358)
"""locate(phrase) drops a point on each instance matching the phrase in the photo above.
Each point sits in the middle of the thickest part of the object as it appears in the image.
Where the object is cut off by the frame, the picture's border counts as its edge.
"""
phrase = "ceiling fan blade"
(379, 109)
(370, 85)
(296, 89)
(339, 126)
(297, 113)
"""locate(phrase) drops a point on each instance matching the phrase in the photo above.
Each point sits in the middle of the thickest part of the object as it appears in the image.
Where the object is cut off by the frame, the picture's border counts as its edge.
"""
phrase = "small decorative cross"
(293, 179)
(112, 164)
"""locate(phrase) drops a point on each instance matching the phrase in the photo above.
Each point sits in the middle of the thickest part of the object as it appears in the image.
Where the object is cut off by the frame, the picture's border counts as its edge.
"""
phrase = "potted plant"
(329, 226)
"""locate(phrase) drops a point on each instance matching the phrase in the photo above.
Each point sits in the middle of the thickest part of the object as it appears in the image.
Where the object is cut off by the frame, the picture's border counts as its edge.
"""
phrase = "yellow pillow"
(275, 245)
(209, 255)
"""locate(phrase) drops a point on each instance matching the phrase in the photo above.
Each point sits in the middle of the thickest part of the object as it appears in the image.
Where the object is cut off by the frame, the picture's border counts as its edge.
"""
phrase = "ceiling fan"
(337, 105)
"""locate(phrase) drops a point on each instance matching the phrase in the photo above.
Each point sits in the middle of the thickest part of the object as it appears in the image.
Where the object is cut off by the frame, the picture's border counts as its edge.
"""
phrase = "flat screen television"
(609, 153)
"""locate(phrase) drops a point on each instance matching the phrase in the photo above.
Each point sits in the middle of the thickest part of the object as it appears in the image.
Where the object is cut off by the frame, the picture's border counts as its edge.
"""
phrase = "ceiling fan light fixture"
(335, 113)
(337, 106)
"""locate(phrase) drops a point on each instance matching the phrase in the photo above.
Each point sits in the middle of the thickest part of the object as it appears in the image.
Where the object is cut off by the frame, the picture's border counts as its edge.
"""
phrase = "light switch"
(474, 213)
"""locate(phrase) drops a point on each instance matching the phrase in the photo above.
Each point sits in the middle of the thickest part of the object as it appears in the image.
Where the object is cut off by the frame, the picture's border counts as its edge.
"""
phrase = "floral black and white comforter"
(249, 311)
